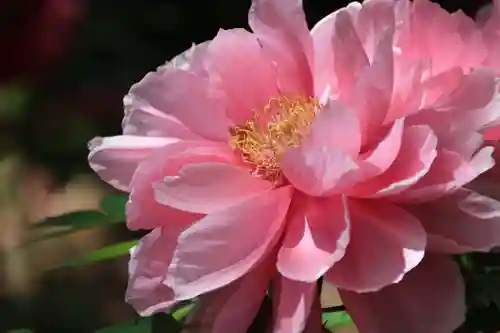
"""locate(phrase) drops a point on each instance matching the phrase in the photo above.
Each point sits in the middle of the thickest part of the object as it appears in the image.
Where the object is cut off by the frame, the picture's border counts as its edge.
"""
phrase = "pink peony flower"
(281, 156)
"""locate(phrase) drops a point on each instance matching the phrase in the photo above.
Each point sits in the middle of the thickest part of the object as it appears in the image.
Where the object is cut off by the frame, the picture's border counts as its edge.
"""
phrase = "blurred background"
(66, 64)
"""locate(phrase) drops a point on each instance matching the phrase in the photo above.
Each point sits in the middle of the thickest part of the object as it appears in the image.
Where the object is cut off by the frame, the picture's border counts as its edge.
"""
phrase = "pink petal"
(116, 158)
(318, 171)
(344, 122)
(384, 239)
(430, 299)
(465, 221)
(144, 120)
(324, 70)
(246, 76)
(282, 31)
(418, 151)
(143, 211)
(209, 187)
(147, 268)
(315, 239)
(349, 56)
(448, 173)
(234, 306)
(374, 87)
(492, 134)
(324, 161)
(225, 245)
(315, 320)
(186, 96)
(295, 300)
(380, 158)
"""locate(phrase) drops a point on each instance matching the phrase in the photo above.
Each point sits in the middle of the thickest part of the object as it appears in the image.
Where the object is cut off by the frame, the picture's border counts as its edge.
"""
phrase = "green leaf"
(114, 206)
(77, 220)
(105, 253)
(182, 312)
(20, 330)
(142, 325)
(334, 320)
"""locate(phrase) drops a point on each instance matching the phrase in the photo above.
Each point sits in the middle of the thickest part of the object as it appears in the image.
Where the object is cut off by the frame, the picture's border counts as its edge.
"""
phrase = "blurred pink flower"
(281, 156)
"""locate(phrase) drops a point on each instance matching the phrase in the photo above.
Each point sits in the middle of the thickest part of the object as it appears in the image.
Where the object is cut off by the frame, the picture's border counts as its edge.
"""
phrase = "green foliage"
(334, 320)
(159, 323)
(105, 253)
(112, 212)
(114, 206)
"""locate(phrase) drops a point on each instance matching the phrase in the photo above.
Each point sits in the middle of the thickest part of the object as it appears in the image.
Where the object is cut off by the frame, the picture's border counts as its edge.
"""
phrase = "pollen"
(263, 140)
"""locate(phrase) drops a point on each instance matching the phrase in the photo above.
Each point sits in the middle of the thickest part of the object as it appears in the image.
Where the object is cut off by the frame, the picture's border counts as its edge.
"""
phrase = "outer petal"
(465, 221)
(190, 98)
(324, 162)
(282, 30)
(225, 245)
(234, 306)
(209, 187)
(143, 211)
(116, 158)
(430, 299)
(385, 239)
(147, 268)
(143, 120)
(316, 237)
(295, 300)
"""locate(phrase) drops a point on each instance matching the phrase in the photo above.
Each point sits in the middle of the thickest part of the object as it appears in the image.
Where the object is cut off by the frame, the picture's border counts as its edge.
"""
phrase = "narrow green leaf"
(114, 206)
(105, 253)
(333, 320)
(182, 312)
(79, 219)
(142, 325)
(20, 330)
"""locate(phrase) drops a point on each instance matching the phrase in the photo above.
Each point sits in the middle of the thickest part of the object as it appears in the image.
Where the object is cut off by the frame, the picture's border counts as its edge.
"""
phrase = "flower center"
(263, 140)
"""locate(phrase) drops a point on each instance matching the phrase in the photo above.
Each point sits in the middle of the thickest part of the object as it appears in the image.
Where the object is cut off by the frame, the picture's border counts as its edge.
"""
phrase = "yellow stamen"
(263, 140)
